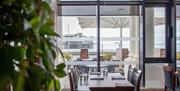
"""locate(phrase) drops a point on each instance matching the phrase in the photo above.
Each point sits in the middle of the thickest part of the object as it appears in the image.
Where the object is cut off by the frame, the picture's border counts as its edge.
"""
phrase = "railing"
(71, 63)
(102, 39)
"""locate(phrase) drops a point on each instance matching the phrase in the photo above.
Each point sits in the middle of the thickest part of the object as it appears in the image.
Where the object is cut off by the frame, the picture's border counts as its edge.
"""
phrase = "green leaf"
(6, 63)
(54, 53)
(20, 53)
(25, 64)
(59, 73)
(47, 30)
(50, 22)
(20, 83)
(4, 80)
(47, 7)
(51, 84)
(35, 22)
(47, 55)
(57, 85)
(35, 78)
(46, 63)
(59, 51)
(61, 66)
(8, 1)
(26, 57)
(39, 51)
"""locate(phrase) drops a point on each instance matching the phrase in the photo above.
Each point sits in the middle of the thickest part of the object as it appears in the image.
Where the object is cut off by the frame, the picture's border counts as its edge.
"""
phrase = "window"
(178, 34)
(155, 32)
(76, 38)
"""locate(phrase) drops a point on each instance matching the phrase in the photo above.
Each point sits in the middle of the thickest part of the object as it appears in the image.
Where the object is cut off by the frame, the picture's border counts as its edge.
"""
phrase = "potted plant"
(108, 56)
(67, 56)
(27, 51)
(178, 56)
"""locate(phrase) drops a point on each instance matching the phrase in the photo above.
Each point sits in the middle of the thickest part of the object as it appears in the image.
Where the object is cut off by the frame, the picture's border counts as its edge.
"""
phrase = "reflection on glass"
(119, 36)
(154, 75)
(78, 0)
(115, 36)
(76, 38)
(119, 10)
(155, 32)
(101, 0)
(121, 0)
(77, 10)
(178, 34)
(79, 42)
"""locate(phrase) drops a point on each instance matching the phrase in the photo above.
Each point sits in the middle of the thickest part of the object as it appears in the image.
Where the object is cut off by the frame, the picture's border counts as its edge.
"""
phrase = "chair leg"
(165, 88)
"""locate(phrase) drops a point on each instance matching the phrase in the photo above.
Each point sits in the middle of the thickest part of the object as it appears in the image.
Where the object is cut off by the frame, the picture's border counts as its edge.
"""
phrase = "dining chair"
(73, 84)
(71, 81)
(83, 69)
(121, 54)
(75, 74)
(111, 68)
(130, 72)
(83, 72)
(136, 79)
(169, 75)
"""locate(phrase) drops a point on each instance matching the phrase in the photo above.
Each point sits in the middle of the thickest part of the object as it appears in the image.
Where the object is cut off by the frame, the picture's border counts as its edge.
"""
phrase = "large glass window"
(121, 0)
(118, 39)
(178, 34)
(156, 43)
(155, 32)
(101, 0)
(119, 35)
(76, 38)
(79, 39)
(77, 10)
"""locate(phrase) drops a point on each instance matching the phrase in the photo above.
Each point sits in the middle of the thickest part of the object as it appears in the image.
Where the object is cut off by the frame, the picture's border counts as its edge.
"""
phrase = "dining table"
(93, 68)
(108, 82)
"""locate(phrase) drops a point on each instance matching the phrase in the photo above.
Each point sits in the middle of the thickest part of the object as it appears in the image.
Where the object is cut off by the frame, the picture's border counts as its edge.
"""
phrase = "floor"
(151, 89)
(141, 89)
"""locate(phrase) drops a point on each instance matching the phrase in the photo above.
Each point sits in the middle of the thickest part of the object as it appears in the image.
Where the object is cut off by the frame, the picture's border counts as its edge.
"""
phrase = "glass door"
(155, 45)
(156, 42)
(178, 35)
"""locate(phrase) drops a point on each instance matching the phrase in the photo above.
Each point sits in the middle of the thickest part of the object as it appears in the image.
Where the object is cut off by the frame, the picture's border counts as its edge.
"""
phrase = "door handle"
(170, 32)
